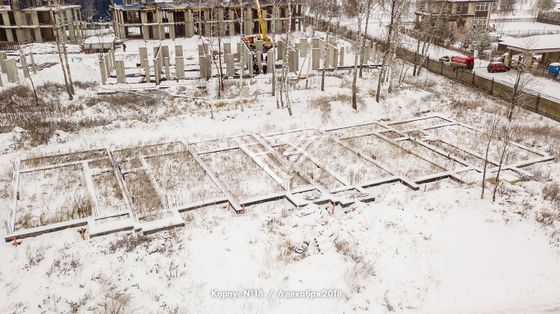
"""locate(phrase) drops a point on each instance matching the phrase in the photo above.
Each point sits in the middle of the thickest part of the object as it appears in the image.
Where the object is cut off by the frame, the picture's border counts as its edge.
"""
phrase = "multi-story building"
(460, 14)
(23, 21)
(149, 20)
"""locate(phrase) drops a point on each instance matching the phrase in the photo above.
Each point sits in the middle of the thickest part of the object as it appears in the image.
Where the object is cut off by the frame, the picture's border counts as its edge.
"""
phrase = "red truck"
(459, 61)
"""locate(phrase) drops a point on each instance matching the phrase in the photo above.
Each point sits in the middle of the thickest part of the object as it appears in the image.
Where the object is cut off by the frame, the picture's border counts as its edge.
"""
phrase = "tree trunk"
(57, 38)
(356, 61)
(368, 11)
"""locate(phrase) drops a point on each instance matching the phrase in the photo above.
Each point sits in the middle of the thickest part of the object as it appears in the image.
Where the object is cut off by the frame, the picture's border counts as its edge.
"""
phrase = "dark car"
(494, 67)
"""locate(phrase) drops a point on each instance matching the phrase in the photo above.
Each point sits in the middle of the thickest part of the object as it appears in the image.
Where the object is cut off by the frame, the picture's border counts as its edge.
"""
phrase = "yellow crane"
(251, 39)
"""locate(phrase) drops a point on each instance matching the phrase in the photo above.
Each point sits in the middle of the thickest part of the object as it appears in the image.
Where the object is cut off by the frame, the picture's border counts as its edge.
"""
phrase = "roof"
(535, 44)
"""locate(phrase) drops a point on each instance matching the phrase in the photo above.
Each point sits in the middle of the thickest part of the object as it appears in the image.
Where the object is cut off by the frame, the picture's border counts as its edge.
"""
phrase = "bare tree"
(396, 10)
(489, 137)
(429, 28)
(369, 10)
(56, 31)
(505, 135)
(521, 78)
(215, 40)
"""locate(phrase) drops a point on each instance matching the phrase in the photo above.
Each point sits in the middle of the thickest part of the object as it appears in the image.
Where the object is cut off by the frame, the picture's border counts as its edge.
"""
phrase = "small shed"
(546, 45)
(554, 69)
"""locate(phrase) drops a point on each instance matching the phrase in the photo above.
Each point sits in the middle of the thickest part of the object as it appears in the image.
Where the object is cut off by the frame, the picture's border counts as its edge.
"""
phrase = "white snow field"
(412, 245)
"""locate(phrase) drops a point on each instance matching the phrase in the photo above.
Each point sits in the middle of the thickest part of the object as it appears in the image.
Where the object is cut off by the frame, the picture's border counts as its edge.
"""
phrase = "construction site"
(265, 157)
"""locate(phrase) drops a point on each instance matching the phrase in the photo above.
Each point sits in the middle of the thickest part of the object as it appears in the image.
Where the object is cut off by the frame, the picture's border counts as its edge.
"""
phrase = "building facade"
(460, 14)
(34, 21)
(189, 18)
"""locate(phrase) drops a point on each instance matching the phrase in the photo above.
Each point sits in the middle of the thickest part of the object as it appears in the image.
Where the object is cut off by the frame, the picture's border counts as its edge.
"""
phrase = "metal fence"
(543, 104)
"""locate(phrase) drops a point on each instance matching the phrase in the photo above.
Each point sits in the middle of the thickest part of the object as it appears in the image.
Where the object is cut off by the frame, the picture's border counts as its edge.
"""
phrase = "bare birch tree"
(57, 35)
(396, 10)
(505, 135)
(489, 137)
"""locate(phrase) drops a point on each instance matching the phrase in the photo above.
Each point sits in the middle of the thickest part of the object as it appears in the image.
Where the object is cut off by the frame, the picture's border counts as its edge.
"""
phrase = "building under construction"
(208, 18)
(23, 21)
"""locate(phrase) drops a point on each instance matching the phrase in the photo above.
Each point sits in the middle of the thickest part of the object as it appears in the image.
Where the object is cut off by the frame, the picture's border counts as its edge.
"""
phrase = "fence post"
(473, 75)
(441, 71)
(492, 87)
(538, 102)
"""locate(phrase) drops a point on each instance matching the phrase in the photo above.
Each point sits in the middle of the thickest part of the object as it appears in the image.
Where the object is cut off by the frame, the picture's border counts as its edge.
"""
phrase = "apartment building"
(27, 21)
(460, 14)
(161, 20)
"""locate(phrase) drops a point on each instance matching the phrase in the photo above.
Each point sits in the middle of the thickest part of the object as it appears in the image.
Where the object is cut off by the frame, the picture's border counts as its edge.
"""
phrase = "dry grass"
(133, 100)
(551, 192)
(129, 243)
(360, 268)
(114, 302)
(290, 252)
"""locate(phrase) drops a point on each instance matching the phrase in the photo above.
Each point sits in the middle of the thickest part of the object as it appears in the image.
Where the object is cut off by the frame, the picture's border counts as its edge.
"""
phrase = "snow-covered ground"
(437, 250)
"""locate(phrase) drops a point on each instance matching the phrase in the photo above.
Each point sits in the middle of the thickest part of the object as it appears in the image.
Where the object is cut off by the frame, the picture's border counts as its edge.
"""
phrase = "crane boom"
(261, 21)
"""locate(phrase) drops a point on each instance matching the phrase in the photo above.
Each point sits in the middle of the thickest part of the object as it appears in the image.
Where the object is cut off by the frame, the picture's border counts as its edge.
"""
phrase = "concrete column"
(239, 49)
(171, 19)
(189, 24)
(303, 46)
(231, 28)
(374, 52)
(334, 58)
(147, 70)
(157, 70)
(2, 60)
(23, 61)
(315, 43)
(315, 58)
(178, 51)
(281, 49)
(209, 66)
(145, 28)
(103, 71)
(367, 53)
(341, 57)
(259, 61)
(250, 65)
(270, 60)
(259, 46)
(179, 67)
(33, 65)
(202, 65)
(143, 56)
(119, 67)
(293, 60)
(165, 52)
(167, 70)
(70, 21)
(207, 26)
(528, 60)
(36, 30)
(248, 21)
(1, 84)
(227, 48)
(241, 64)
(107, 64)
(230, 68)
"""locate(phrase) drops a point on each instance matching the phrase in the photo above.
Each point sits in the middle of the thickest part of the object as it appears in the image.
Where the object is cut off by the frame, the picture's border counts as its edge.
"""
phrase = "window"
(479, 21)
(482, 6)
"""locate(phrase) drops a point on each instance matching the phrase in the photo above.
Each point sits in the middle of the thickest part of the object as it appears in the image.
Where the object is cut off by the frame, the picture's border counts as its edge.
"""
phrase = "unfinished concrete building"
(35, 21)
(189, 18)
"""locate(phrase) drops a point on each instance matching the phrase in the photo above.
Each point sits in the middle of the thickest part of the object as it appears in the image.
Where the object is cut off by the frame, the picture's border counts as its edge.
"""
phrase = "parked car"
(494, 67)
